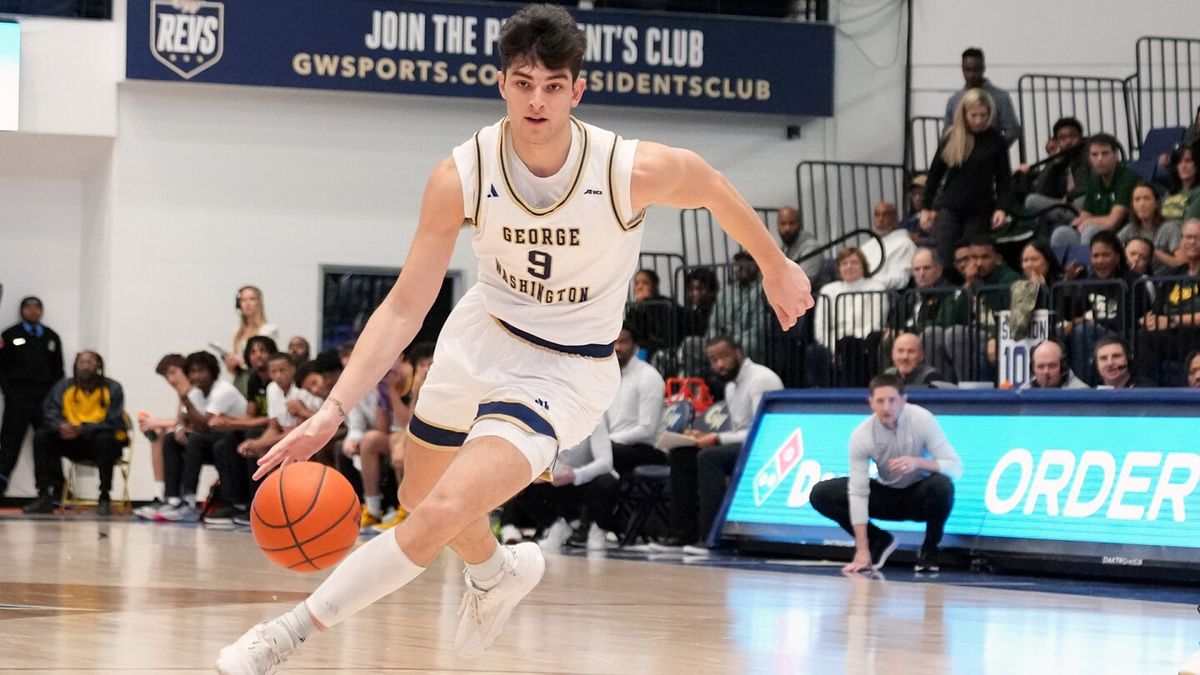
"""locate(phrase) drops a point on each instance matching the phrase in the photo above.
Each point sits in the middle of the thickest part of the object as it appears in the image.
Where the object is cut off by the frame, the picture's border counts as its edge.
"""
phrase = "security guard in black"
(31, 361)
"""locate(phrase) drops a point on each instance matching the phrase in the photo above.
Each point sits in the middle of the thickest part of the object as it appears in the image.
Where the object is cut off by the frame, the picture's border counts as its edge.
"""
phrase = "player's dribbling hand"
(302, 442)
(789, 292)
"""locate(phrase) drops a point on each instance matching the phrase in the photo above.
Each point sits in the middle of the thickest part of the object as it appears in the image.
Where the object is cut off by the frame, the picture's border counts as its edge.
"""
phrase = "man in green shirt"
(1108, 194)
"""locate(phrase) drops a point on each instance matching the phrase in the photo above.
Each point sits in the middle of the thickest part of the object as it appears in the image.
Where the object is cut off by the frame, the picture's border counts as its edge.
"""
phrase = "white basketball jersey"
(556, 265)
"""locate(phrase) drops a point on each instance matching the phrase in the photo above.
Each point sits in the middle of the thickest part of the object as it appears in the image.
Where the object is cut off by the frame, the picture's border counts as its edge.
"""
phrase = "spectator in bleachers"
(1193, 369)
(1108, 194)
(851, 328)
(196, 442)
(969, 178)
(920, 309)
(1049, 368)
(1115, 367)
(796, 242)
(898, 248)
(635, 413)
(1172, 329)
(171, 368)
(1139, 253)
(259, 349)
(699, 472)
(582, 484)
(1146, 221)
(908, 363)
(1060, 178)
(1105, 305)
(83, 420)
(741, 310)
(299, 349)
(1005, 120)
(288, 403)
(656, 317)
(702, 288)
(1183, 183)
(915, 203)
(253, 321)
(1040, 265)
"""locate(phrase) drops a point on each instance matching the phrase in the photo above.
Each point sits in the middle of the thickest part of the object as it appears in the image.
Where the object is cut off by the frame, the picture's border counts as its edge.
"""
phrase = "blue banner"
(450, 49)
(1063, 470)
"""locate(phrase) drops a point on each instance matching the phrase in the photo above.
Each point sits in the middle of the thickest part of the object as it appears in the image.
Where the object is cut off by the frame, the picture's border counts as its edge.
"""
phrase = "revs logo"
(187, 36)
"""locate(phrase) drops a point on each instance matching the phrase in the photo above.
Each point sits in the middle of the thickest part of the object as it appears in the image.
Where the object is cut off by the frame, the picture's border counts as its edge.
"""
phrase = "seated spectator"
(1185, 186)
(699, 472)
(1140, 255)
(1040, 265)
(849, 319)
(204, 439)
(1005, 118)
(635, 413)
(702, 288)
(253, 321)
(1103, 305)
(1146, 221)
(1050, 369)
(797, 243)
(926, 292)
(1060, 178)
(1108, 195)
(741, 310)
(298, 349)
(1193, 369)
(911, 222)
(170, 367)
(973, 161)
(1172, 329)
(894, 260)
(259, 349)
(1115, 367)
(655, 316)
(916, 468)
(583, 482)
(908, 363)
(83, 421)
(288, 403)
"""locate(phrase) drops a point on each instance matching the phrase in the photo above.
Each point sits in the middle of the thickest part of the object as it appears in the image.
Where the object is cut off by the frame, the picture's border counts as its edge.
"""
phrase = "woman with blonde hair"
(253, 322)
(969, 179)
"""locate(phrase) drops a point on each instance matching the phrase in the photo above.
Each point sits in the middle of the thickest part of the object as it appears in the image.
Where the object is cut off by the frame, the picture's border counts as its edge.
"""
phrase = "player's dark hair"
(545, 34)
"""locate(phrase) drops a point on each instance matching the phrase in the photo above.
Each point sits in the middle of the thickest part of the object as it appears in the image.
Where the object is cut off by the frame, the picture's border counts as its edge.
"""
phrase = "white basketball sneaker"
(259, 651)
(483, 613)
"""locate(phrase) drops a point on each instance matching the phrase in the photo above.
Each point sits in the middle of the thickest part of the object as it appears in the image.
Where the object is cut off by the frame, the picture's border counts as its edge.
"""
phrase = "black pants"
(182, 465)
(542, 503)
(929, 500)
(954, 225)
(626, 458)
(101, 449)
(22, 410)
(698, 484)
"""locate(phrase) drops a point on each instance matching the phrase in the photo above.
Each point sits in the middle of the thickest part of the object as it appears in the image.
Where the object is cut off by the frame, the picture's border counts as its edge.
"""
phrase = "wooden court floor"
(79, 596)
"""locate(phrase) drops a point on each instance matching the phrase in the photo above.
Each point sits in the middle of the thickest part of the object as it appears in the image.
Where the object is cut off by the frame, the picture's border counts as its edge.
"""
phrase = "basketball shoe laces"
(476, 602)
(265, 647)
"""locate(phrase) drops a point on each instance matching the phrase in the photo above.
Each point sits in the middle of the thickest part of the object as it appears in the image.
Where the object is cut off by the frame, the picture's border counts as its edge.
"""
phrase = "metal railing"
(1099, 103)
(1166, 85)
(1168, 333)
(667, 266)
(926, 136)
(837, 197)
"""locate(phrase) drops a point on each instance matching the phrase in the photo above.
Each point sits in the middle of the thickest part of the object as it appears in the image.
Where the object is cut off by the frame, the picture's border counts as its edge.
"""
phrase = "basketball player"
(524, 365)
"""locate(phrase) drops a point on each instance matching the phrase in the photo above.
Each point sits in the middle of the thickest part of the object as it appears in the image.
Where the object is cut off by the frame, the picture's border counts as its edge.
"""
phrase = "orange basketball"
(305, 517)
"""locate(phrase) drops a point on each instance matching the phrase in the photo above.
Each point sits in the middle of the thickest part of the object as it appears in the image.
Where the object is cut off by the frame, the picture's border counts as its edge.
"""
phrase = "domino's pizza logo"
(187, 36)
(776, 469)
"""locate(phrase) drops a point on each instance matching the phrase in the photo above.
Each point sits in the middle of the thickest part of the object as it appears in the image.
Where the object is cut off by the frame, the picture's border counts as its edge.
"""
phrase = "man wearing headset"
(1115, 367)
(1049, 368)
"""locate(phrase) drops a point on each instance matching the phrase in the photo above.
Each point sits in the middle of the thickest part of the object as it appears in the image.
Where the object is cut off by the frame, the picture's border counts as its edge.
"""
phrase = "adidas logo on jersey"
(590, 191)
(492, 191)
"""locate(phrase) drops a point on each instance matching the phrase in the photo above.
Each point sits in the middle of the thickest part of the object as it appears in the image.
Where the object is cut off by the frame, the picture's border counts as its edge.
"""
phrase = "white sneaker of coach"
(484, 613)
(597, 538)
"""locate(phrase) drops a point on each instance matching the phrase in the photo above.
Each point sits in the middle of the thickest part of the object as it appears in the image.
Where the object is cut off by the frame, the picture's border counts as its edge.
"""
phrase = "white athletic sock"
(486, 574)
(160, 489)
(190, 500)
(376, 569)
(174, 501)
(300, 622)
(375, 505)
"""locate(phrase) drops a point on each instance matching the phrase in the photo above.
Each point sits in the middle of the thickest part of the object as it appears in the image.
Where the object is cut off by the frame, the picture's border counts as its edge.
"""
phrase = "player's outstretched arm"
(681, 178)
(393, 325)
